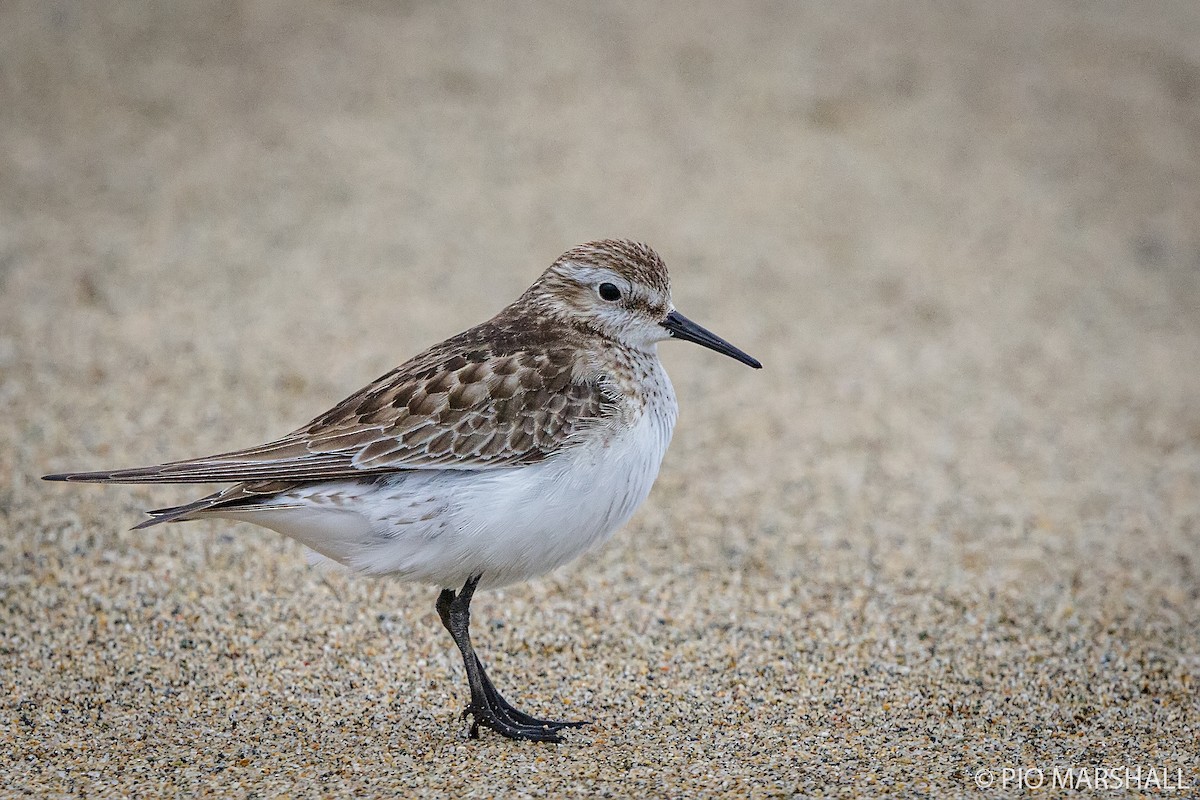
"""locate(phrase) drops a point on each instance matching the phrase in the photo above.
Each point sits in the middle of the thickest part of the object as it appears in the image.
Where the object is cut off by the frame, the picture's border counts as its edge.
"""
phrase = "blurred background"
(953, 524)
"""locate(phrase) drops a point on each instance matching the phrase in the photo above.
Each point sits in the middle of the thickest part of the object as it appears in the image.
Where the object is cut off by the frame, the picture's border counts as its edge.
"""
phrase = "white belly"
(508, 525)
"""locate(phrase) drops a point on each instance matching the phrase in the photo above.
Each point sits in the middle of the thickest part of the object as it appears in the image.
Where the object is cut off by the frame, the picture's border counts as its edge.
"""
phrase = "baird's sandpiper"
(490, 458)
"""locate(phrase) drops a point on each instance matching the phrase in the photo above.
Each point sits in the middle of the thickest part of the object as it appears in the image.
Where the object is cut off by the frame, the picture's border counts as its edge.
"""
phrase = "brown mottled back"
(509, 392)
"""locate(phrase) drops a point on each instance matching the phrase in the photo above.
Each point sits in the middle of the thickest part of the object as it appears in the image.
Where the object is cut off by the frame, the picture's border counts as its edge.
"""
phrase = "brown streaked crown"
(567, 289)
(634, 261)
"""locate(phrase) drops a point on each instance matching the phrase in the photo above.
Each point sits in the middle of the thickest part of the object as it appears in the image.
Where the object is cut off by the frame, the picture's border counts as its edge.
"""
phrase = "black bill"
(683, 328)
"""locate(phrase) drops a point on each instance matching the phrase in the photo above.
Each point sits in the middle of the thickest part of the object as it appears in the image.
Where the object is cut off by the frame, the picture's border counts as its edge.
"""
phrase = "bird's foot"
(513, 724)
(495, 701)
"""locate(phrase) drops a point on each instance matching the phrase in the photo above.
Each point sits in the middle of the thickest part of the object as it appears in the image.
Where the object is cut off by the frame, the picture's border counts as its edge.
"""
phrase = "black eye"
(609, 292)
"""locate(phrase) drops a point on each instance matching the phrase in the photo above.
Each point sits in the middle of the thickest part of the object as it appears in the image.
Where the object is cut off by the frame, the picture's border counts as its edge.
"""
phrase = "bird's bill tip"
(680, 327)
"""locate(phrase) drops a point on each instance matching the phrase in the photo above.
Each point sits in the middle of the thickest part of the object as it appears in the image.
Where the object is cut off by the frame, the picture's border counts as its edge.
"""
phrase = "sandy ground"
(953, 526)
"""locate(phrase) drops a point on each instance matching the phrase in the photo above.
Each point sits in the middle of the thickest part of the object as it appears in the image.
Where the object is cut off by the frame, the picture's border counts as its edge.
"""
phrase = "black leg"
(488, 707)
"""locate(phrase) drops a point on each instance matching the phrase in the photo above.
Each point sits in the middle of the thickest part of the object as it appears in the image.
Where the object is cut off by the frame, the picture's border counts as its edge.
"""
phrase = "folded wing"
(477, 401)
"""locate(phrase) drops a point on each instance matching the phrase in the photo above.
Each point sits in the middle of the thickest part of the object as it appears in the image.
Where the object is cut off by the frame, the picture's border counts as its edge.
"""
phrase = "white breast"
(509, 525)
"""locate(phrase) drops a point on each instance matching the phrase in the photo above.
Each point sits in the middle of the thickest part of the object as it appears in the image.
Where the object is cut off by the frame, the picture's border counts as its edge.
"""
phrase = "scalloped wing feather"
(501, 394)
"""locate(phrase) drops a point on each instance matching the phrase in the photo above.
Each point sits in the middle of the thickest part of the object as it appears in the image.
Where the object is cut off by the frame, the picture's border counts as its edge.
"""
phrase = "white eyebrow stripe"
(595, 275)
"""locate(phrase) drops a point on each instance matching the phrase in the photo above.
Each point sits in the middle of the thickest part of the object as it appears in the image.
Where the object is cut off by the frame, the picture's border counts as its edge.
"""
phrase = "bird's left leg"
(488, 707)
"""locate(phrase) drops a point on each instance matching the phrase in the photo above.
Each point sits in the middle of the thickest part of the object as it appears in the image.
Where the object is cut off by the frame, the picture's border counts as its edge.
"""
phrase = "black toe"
(508, 728)
(504, 709)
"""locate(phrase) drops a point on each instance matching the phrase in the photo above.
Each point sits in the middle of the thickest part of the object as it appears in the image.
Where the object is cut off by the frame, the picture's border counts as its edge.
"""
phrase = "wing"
(484, 399)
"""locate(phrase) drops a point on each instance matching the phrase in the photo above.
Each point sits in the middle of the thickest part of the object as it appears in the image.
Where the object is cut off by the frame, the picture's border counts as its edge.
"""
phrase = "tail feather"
(181, 513)
(177, 514)
(238, 494)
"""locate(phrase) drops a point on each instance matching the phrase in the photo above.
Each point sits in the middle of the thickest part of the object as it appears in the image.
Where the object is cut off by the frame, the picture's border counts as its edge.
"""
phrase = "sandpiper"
(490, 458)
